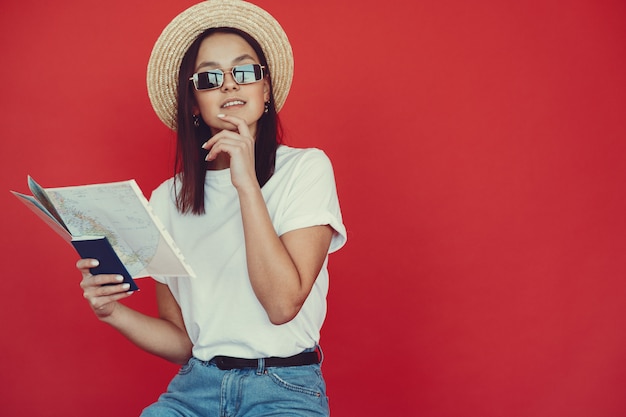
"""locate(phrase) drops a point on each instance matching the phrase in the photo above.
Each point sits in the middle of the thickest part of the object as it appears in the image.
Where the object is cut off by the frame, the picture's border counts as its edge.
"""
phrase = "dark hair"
(189, 165)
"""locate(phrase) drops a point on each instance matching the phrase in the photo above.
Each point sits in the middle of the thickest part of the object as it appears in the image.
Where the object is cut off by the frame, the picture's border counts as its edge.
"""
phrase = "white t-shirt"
(220, 310)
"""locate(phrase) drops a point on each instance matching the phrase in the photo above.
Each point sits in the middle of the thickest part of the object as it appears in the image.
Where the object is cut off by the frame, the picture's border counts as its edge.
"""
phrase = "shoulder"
(288, 152)
(164, 192)
(301, 158)
(303, 169)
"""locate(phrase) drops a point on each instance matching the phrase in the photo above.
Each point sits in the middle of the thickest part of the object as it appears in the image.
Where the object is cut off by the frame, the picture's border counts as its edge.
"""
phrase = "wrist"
(248, 189)
(110, 313)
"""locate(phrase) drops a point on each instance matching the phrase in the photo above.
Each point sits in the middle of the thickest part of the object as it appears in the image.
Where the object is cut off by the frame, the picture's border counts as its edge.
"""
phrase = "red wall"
(479, 153)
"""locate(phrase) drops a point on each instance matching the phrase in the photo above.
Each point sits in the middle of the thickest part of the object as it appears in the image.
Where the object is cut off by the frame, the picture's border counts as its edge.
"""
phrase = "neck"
(221, 162)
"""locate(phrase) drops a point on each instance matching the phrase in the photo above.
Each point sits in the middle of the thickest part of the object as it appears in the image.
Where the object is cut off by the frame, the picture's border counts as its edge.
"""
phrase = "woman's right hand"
(102, 298)
(164, 336)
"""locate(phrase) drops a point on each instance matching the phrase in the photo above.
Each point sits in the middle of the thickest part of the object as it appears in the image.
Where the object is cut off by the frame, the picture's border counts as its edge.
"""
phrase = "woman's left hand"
(239, 145)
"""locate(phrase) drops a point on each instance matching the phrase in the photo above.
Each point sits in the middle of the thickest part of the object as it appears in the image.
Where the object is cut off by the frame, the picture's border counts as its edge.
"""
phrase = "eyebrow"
(214, 65)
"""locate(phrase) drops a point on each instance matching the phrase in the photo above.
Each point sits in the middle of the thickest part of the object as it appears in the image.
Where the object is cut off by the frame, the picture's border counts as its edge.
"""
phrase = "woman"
(255, 219)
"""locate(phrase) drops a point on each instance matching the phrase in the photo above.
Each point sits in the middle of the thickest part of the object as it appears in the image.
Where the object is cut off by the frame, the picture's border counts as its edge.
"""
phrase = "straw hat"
(180, 33)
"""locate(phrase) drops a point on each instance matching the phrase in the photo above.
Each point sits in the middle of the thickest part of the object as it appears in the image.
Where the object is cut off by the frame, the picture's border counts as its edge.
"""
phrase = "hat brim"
(184, 29)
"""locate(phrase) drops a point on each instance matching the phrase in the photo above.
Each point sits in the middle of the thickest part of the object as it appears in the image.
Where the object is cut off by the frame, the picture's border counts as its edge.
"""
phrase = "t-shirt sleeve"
(312, 199)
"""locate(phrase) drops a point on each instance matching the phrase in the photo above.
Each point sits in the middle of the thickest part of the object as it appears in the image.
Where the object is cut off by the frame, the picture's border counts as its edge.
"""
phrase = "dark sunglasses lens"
(209, 80)
(246, 74)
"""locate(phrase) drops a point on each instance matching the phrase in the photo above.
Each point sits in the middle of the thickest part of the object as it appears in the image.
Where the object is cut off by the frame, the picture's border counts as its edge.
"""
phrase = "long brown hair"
(189, 165)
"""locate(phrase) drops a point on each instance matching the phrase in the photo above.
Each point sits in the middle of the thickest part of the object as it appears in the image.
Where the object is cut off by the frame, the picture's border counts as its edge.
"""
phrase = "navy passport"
(99, 248)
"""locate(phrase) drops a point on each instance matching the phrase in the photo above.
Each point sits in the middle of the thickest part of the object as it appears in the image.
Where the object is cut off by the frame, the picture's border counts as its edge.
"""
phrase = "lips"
(234, 102)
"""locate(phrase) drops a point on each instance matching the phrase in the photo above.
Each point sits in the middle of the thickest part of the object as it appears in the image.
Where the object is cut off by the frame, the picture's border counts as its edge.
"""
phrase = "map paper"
(120, 212)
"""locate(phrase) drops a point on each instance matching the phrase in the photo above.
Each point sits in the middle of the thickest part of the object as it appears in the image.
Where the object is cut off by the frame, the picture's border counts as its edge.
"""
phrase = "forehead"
(224, 49)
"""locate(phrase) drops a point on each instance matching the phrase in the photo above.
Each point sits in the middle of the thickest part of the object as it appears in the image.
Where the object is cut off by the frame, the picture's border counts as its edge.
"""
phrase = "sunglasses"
(242, 74)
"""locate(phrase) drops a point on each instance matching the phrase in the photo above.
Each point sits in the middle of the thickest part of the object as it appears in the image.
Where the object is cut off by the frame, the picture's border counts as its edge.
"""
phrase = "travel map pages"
(113, 223)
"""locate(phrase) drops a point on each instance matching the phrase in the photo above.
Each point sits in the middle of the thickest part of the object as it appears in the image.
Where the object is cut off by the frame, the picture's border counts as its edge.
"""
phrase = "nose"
(229, 82)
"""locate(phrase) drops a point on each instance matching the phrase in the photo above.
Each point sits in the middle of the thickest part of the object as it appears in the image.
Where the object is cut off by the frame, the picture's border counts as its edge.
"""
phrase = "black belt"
(305, 358)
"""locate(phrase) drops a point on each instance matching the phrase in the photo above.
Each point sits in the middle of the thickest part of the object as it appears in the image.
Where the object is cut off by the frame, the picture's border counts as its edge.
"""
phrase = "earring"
(267, 107)
(196, 120)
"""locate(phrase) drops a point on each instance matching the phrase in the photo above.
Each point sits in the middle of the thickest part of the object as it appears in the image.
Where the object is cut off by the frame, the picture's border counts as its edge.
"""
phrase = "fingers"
(230, 141)
(100, 280)
(86, 264)
(239, 147)
(239, 123)
(89, 280)
(235, 146)
(102, 290)
(100, 297)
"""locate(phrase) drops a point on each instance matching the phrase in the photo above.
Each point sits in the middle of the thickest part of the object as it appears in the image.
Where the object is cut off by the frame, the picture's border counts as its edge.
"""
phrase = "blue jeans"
(203, 390)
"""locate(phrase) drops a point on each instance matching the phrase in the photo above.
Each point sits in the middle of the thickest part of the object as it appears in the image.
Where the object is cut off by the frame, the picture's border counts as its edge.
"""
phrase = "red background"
(479, 154)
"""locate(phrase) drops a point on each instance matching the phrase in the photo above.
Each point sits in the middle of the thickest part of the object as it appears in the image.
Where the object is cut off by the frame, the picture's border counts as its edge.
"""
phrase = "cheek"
(257, 102)
(254, 112)
(207, 105)
(209, 109)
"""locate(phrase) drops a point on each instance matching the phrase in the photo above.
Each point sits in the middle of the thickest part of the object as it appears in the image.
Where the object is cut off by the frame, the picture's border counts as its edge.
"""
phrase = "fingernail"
(204, 144)
(119, 278)
(94, 263)
(125, 286)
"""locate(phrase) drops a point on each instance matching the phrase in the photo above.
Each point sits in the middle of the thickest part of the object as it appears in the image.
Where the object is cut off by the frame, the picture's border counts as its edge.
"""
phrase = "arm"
(164, 336)
(283, 269)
